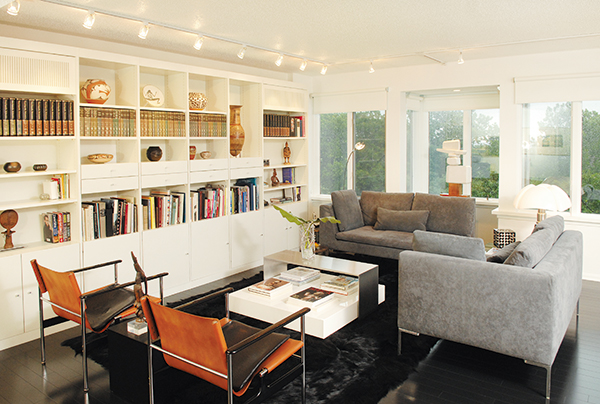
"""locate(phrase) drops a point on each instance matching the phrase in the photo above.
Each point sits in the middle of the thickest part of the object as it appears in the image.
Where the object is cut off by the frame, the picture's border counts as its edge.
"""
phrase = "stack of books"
(271, 287)
(300, 275)
(341, 284)
(311, 297)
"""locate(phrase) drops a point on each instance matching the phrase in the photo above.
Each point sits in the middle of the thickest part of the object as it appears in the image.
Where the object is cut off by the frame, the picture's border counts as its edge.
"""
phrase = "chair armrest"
(269, 330)
(327, 230)
(97, 266)
(204, 298)
(120, 286)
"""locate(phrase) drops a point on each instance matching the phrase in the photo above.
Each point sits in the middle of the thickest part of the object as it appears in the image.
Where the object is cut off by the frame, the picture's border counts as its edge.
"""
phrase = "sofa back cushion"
(448, 214)
(370, 201)
(449, 244)
(347, 209)
(536, 246)
(401, 220)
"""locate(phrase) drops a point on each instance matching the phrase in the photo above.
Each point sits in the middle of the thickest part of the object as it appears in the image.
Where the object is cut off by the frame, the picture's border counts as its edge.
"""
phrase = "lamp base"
(455, 189)
(541, 215)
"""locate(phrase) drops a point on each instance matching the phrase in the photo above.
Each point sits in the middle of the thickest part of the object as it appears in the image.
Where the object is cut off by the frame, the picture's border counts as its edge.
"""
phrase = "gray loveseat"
(381, 224)
(520, 305)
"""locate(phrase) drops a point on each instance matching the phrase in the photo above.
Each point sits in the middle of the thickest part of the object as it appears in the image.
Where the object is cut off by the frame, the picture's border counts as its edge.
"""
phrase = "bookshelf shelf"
(36, 204)
(35, 174)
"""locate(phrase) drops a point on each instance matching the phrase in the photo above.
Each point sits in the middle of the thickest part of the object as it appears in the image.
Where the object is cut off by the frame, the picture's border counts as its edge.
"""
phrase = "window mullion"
(576, 155)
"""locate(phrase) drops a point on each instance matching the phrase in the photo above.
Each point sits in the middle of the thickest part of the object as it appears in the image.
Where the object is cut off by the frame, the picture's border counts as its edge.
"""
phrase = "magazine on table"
(311, 297)
(272, 287)
(341, 284)
(300, 275)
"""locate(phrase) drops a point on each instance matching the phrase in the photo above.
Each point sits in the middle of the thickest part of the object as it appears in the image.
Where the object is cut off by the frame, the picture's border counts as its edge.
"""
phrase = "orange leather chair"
(224, 352)
(95, 310)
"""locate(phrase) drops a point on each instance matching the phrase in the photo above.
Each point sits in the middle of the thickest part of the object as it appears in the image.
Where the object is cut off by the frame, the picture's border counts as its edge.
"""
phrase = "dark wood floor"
(452, 373)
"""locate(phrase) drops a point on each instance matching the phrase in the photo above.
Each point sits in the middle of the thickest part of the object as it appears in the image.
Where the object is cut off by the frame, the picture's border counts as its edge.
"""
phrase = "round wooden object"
(9, 219)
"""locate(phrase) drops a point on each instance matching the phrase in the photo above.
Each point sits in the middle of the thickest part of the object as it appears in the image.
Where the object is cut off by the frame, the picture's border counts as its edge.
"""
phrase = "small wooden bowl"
(100, 158)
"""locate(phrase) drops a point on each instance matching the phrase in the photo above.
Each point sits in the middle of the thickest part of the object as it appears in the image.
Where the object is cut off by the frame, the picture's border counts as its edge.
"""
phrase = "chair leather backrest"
(62, 288)
(198, 339)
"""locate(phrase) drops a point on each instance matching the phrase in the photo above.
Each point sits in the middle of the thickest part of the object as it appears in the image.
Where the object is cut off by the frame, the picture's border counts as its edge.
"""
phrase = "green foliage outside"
(443, 125)
(369, 128)
(590, 178)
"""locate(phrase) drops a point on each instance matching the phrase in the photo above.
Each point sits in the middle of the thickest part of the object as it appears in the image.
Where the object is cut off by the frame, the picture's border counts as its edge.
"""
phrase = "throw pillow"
(399, 220)
(449, 244)
(347, 209)
(502, 254)
(371, 200)
(532, 249)
(554, 223)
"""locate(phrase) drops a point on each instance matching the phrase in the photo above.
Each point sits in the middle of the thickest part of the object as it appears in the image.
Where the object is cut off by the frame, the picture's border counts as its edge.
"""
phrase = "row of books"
(57, 227)
(244, 196)
(62, 184)
(208, 125)
(275, 125)
(288, 175)
(207, 202)
(163, 208)
(162, 124)
(108, 217)
(293, 194)
(311, 296)
(106, 122)
(36, 117)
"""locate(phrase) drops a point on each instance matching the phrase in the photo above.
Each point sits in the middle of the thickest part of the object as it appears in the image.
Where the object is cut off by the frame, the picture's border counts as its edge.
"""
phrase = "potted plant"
(307, 230)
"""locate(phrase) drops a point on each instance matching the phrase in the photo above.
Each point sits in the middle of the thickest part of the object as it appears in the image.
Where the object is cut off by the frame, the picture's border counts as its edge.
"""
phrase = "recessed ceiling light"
(457, 90)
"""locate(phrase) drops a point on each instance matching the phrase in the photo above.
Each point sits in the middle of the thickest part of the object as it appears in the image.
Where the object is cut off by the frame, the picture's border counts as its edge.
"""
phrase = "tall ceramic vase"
(307, 241)
(236, 132)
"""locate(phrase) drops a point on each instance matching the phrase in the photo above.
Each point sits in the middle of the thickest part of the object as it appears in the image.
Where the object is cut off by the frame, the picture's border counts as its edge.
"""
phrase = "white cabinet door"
(167, 250)
(246, 240)
(11, 297)
(110, 249)
(61, 259)
(276, 229)
(210, 248)
(293, 235)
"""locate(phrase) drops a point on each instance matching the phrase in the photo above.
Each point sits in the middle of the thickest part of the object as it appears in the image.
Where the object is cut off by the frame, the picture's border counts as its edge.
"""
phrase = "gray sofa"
(381, 224)
(519, 302)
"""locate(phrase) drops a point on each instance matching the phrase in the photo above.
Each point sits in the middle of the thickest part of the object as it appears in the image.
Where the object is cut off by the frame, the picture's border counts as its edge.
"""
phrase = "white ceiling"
(345, 34)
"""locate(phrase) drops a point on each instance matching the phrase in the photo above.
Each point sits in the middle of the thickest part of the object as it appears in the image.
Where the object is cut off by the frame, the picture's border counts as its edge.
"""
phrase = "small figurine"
(274, 179)
(8, 220)
(287, 152)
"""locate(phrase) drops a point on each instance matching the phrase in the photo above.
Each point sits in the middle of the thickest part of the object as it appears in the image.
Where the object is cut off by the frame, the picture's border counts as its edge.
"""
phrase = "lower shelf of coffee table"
(321, 322)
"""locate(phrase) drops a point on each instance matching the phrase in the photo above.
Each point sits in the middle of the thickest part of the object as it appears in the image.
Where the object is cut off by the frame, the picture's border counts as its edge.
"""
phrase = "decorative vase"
(154, 153)
(205, 154)
(95, 91)
(192, 152)
(198, 101)
(12, 167)
(236, 132)
(40, 167)
(307, 240)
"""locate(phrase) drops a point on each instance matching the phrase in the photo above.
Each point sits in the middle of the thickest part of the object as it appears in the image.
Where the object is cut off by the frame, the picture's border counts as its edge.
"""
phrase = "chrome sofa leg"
(548, 377)
(400, 331)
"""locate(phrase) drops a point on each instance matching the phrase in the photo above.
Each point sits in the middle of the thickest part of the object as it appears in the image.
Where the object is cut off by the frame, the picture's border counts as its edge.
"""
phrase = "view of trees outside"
(547, 144)
(590, 164)
(443, 125)
(369, 128)
(485, 152)
(409, 149)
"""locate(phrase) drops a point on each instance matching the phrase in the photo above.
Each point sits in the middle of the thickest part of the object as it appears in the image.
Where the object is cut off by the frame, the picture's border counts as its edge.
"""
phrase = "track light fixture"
(279, 60)
(89, 20)
(303, 65)
(14, 7)
(460, 59)
(199, 42)
(242, 52)
(371, 69)
(144, 31)
(324, 69)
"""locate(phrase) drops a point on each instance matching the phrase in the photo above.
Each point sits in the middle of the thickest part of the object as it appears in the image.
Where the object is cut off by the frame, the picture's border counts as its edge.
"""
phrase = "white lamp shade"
(458, 174)
(542, 196)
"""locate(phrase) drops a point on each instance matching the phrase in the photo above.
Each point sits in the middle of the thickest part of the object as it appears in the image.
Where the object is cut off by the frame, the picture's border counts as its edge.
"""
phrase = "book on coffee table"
(341, 284)
(300, 275)
(311, 297)
(271, 287)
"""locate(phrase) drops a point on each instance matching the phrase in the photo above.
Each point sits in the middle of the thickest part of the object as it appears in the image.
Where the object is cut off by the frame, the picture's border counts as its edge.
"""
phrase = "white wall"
(486, 72)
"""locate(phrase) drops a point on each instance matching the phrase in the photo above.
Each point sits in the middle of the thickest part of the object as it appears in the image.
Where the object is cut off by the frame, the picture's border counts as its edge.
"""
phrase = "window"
(590, 159)
(443, 125)
(410, 127)
(485, 152)
(339, 132)
(547, 144)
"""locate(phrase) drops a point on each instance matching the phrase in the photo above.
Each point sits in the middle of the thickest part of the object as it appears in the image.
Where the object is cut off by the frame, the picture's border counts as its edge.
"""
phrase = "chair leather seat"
(247, 361)
(102, 309)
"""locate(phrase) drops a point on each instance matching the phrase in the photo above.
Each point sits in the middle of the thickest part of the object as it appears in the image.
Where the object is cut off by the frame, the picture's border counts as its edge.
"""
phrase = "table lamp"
(542, 197)
(456, 175)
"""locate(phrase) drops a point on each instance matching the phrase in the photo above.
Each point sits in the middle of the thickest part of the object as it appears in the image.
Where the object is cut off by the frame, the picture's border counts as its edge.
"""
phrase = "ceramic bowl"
(100, 158)
(12, 167)
(205, 154)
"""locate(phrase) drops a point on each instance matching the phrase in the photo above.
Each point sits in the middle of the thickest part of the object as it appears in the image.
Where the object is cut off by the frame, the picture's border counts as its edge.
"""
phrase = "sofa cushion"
(449, 244)
(368, 235)
(502, 254)
(370, 201)
(533, 248)
(401, 220)
(347, 209)
(454, 215)
(555, 223)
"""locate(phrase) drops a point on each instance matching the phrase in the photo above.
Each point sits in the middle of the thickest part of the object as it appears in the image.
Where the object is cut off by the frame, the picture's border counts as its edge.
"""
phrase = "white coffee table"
(323, 320)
